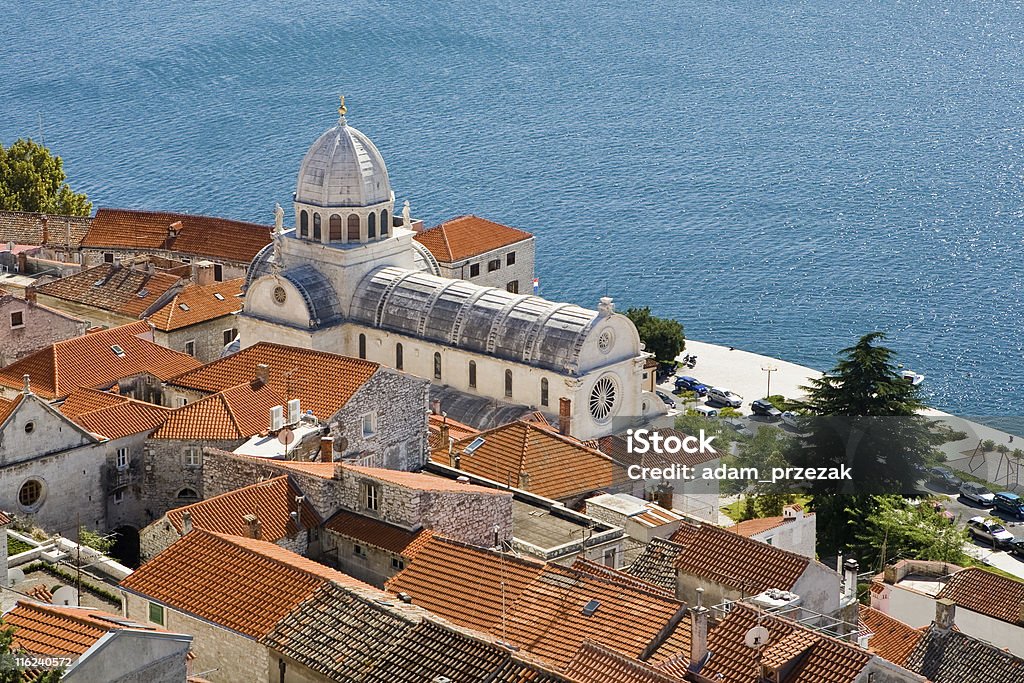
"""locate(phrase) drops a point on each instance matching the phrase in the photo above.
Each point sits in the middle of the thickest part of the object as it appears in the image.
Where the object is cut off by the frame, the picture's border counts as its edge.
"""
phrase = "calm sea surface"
(781, 176)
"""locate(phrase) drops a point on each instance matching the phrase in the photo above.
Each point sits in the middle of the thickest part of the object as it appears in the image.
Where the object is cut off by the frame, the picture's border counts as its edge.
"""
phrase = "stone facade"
(207, 338)
(96, 256)
(223, 655)
(172, 474)
(521, 271)
(94, 317)
(26, 326)
(129, 656)
(365, 562)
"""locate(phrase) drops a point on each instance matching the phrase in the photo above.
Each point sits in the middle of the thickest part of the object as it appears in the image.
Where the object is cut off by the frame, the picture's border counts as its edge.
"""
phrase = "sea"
(782, 177)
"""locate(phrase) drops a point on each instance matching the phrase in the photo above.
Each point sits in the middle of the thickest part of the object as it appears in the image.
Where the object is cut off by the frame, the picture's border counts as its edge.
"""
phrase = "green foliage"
(771, 504)
(10, 672)
(14, 546)
(896, 530)
(663, 337)
(32, 179)
(71, 579)
(779, 401)
(95, 540)
(988, 445)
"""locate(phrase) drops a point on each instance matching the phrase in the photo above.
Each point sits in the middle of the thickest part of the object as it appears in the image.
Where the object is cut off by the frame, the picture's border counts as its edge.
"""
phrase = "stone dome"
(343, 168)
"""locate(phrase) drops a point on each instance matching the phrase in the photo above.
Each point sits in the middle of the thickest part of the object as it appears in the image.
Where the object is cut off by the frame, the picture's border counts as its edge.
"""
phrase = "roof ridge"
(231, 413)
(226, 494)
(84, 620)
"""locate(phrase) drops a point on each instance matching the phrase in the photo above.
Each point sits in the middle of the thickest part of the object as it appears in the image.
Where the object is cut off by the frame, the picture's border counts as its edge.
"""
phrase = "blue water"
(782, 177)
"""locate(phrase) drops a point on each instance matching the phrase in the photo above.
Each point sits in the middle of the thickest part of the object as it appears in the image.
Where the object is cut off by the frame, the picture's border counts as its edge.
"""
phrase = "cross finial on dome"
(342, 109)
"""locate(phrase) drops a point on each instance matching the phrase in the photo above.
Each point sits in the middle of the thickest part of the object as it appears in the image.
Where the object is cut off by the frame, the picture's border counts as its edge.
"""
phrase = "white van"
(707, 412)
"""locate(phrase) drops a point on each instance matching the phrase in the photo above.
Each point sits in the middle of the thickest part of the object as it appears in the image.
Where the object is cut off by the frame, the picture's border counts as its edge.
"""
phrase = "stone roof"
(342, 168)
(657, 563)
(91, 361)
(197, 304)
(61, 631)
(951, 656)
(987, 593)
(594, 663)
(125, 290)
(374, 532)
(271, 501)
(486, 320)
(324, 382)
(202, 236)
(556, 466)
(468, 236)
(891, 639)
(235, 413)
(215, 577)
(42, 229)
(112, 415)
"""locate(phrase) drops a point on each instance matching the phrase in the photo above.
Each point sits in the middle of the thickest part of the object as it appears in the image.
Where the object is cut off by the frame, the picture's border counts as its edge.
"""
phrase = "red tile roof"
(61, 631)
(7, 407)
(241, 584)
(195, 304)
(89, 361)
(122, 417)
(235, 413)
(891, 639)
(752, 527)
(987, 593)
(324, 382)
(271, 501)
(5, 518)
(456, 430)
(594, 663)
(467, 236)
(83, 400)
(378, 534)
(125, 290)
(557, 466)
(422, 481)
(203, 236)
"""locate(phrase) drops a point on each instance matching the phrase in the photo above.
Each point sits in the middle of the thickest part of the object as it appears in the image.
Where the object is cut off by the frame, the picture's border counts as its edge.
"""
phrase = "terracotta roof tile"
(5, 518)
(615, 575)
(556, 466)
(215, 576)
(89, 361)
(986, 593)
(423, 481)
(594, 663)
(7, 407)
(235, 413)
(195, 304)
(467, 236)
(752, 527)
(376, 533)
(28, 228)
(955, 657)
(204, 236)
(456, 430)
(271, 501)
(123, 419)
(324, 382)
(52, 630)
(125, 290)
(84, 400)
(891, 639)
(464, 584)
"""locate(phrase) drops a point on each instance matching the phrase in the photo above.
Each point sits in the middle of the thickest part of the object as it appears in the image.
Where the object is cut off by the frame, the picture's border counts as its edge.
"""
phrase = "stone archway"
(126, 546)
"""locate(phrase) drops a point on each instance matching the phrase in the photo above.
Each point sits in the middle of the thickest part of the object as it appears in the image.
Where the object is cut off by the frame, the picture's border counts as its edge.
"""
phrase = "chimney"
(445, 436)
(46, 227)
(186, 523)
(663, 495)
(173, 229)
(850, 569)
(30, 294)
(435, 407)
(203, 273)
(326, 449)
(889, 574)
(262, 376)
(253, 529)
(698, 632)
(524, 480)
(565, 416)
(792, 512)
(27, 380)
(945, 613)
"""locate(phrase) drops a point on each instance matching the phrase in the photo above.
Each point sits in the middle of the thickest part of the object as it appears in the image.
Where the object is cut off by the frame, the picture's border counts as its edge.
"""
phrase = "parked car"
(943, 476)
(791, 419)
(691, 384)
(724, 397)
(1017, 548)
(666, 399)
(977, 493)
(989, 531)
(1010, 504)
(740, 427)
(706, 411)
(764, 408)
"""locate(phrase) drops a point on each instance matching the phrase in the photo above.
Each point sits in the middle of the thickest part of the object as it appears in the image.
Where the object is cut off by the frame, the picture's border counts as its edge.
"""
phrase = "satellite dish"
(14, 576)
(756, 637)
(340, 443)
(66, 595)
(286, 436)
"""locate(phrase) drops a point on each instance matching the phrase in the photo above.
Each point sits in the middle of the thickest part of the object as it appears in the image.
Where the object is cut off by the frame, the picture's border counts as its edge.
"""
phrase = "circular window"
(30, 427)
(280, 295)
(605, 341)
(31, 493)
(602, 399)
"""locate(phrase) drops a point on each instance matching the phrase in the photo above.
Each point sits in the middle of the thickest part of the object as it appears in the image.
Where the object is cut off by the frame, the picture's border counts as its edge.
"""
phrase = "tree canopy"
(33, 179)
(663, 337)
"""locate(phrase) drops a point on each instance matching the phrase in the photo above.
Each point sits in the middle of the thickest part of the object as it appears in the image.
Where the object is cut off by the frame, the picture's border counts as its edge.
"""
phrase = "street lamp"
(769, 369)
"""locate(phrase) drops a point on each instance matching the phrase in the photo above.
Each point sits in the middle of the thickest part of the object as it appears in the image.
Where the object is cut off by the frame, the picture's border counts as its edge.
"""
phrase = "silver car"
(976, 493)
(724, 397)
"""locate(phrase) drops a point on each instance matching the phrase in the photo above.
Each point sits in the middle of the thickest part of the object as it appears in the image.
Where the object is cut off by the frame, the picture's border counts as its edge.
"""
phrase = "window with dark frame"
(493, 265)
(510, 258)
(17, 318)
(474, 269)
(472, 374)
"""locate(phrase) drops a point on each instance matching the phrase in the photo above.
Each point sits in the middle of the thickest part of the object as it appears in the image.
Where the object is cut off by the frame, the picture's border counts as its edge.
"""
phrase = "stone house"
(642, 520)
(117, 234)
(26, 326)
(58, 237)
(483, 252)
(200, 319)
(794, 530)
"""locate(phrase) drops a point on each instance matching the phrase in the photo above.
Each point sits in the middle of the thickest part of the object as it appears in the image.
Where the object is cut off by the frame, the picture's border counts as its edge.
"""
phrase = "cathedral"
(349, 278)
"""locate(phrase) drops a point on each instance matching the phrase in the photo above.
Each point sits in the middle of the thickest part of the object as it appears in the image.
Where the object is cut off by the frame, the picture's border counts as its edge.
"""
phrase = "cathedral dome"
(343, 168)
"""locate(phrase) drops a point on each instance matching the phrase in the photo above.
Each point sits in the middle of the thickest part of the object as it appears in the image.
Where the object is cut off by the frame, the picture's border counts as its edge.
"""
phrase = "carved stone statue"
(406, 216)
(278, 219)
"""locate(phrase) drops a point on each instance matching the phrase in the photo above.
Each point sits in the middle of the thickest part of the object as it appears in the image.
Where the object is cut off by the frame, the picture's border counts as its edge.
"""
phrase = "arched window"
(371, 226)
(544, 391)
(187, 494)
(335, 228)
(385, 224)
(437, 365)
(304, 224)
(398, 357)
(316, 226)
(508, 384)
(472, 374)
(353, 227)
(362, 346)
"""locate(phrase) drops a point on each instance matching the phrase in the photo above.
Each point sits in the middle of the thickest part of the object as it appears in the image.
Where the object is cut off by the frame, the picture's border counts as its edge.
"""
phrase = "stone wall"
(522, 271)
(167, 473)
(41, 327)
(95, 317)
(208, 337)
(224, 656)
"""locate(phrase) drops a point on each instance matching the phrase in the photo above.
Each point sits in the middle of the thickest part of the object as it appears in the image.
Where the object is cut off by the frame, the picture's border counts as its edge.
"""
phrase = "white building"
(351, 279)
